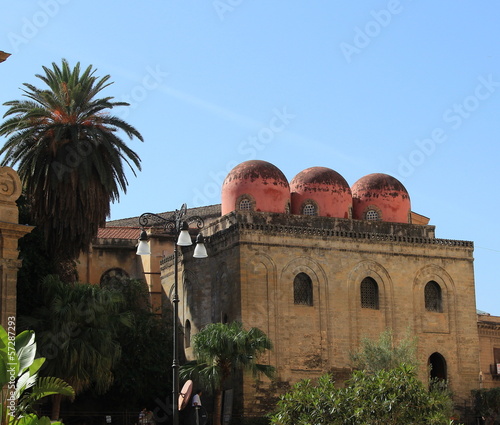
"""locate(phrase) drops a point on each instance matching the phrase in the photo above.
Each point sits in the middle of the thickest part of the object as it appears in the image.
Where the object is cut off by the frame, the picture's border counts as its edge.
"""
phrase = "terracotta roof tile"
(115, 232)
(208, 213)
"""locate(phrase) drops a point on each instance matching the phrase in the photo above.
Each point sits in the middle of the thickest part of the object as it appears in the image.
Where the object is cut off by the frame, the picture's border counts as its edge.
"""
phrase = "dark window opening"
(437, 365)
(187, 334)
(433, 297)
(302, 290)
(369, 294)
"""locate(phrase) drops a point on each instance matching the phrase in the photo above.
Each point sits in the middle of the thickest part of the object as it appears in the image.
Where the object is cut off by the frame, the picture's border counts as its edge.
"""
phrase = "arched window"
(309, 209)
(433, 297)
(437, 365)
(113, 277)
(372, 215)
(187, 334)
(302, 290)
(245, 204)
(369, 293)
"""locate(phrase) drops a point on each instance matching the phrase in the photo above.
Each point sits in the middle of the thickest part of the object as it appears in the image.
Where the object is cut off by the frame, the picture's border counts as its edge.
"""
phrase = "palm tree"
(222, 349)
(77, 327)
(69, 155)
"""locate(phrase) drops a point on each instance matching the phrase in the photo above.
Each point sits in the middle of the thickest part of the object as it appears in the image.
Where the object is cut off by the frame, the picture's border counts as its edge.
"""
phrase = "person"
(196, 404)
(196, 400)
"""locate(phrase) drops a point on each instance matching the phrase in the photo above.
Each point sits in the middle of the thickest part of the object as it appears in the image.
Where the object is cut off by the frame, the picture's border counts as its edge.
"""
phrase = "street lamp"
(177, 225)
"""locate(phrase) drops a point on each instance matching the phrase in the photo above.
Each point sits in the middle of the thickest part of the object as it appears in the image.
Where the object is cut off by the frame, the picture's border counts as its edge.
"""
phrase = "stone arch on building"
(187, 334)
(186, 295)
(434, 321)
(261, 299)
(367, 322)
(438, 368)
(306, 324)
(113, 276)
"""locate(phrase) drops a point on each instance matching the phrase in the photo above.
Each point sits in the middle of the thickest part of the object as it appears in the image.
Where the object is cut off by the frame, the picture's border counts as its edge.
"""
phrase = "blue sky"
(410, 88)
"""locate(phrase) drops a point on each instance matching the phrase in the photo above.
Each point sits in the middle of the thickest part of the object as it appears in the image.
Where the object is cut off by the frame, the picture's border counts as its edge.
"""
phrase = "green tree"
(69, 155)
(384, 353)
(384, 397)
(77, 327)
(222, 349)
(143, 373)
(487, 404)
(21, 386)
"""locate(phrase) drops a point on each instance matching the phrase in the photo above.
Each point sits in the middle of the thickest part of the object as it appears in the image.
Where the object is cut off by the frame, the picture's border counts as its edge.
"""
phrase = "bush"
(386, 397)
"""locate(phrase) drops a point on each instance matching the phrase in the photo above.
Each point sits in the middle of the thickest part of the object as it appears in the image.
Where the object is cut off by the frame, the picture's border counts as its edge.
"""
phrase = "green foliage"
(257, 420)
(69, 155)
(384, 397)
(224, 348)
(22, 387)
(308, 404)
(77, 327)
(487, 403)
(36, 264)
(221, 349)
(384, 354)
(144, 371)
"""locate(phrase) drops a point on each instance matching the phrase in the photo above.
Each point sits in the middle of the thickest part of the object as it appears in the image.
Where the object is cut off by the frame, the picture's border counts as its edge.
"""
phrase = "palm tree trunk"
(56, 407)
(217, 407)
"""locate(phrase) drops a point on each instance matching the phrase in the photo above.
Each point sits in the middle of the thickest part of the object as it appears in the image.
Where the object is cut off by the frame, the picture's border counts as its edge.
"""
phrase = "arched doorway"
(437, 365)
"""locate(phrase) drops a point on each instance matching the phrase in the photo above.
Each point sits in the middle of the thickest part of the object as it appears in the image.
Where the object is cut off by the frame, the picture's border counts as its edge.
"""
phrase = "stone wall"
(254, 258)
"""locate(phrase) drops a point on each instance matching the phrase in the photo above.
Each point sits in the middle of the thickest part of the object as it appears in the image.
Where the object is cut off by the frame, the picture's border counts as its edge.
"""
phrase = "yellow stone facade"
(254, 259)
(249, 276)
(489, 349)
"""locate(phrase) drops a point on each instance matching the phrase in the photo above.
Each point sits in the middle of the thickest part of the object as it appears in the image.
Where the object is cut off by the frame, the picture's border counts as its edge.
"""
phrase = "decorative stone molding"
(10, 185)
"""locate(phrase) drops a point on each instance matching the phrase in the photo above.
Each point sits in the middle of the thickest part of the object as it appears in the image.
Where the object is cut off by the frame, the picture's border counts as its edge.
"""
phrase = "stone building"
(489, 350)
(318, 266)
(10, 233)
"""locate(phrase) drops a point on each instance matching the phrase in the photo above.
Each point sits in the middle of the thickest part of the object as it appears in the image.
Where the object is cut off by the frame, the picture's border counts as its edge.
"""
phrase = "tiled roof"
(115, 232)
(208, 213)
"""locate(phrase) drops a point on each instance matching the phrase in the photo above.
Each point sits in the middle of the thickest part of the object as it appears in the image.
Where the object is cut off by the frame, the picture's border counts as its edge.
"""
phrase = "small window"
(187, 334)
(372, 215)
(309, 209)
(433, 297)
(245, 204)
(369, 294)
(302, 290)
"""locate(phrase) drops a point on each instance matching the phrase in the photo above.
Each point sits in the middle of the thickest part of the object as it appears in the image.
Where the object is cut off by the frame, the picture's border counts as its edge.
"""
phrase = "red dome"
(324, 188)
(256, 185)
(380, 197)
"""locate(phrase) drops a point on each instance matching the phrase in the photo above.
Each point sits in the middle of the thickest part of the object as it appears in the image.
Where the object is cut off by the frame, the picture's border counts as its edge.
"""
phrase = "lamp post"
(178, 226)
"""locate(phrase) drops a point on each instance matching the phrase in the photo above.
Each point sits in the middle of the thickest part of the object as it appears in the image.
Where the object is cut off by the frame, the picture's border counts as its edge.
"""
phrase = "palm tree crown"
(68, 154)
(222, 349)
